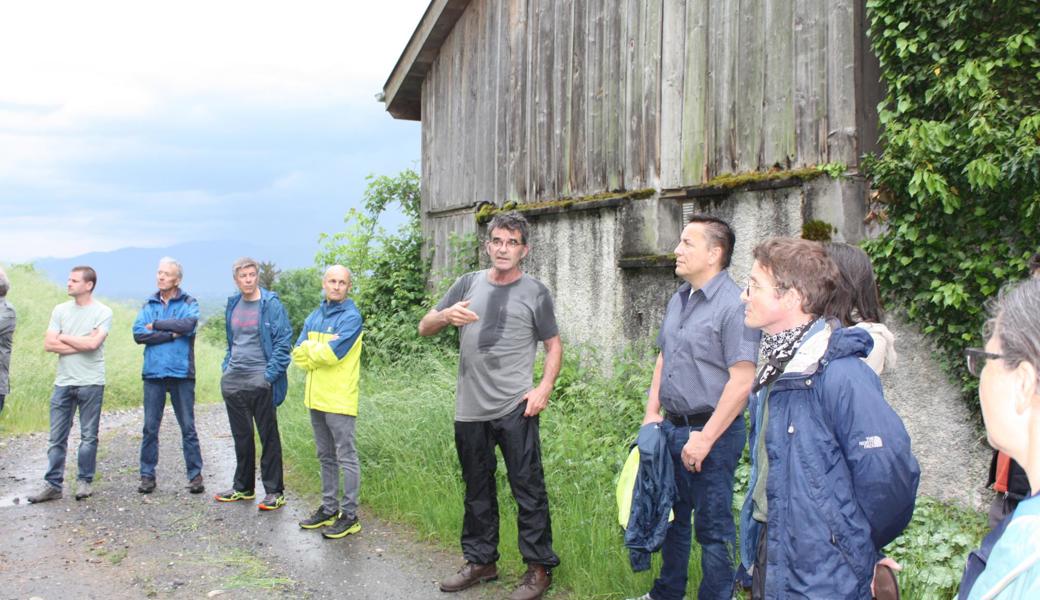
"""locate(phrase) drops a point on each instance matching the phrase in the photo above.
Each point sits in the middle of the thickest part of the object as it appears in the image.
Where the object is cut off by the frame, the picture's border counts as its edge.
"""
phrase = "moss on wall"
(487, 211)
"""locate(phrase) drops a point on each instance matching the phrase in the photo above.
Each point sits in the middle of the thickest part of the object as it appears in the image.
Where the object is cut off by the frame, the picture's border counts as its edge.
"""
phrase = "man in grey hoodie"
(8, 319)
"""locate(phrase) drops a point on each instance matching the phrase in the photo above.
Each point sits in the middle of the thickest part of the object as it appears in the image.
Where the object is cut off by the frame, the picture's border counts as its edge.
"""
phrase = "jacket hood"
(331, 308)
(180, 297)
(849, 341)
(265, 295)
(825, 342)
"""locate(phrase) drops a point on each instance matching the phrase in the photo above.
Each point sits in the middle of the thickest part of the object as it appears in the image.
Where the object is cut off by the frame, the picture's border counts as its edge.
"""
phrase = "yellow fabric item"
(332, 383)
(626, 484)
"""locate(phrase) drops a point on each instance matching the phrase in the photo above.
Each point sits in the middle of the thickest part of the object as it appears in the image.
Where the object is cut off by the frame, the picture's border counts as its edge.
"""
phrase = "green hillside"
(32, 370)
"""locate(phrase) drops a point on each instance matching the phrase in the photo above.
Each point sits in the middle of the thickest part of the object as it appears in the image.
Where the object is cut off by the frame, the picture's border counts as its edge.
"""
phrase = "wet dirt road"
(121, 544)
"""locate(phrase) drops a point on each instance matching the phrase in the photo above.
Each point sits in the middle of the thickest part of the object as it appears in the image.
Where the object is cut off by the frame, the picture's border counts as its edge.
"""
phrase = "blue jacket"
(1012, 570)
(842, 481)
(164, 354)
(275, 338)
(652, 497)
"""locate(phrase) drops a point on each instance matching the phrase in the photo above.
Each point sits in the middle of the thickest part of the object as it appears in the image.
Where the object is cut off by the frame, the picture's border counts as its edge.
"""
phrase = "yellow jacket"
(332, 383)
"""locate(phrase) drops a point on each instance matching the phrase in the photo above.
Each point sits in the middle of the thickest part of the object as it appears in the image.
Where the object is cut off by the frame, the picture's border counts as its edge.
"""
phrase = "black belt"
(694, 420)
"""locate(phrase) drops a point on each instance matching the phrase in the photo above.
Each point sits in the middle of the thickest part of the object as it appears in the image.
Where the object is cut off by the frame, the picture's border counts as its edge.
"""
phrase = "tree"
(300, 292)
(267, 274)
(388, 271)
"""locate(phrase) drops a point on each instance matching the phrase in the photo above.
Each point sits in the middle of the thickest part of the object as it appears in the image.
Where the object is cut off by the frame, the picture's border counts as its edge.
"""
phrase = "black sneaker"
(272, 502)
(234, 496)
(320, 518)
(147, 485)
(195, 485)
(343, 527)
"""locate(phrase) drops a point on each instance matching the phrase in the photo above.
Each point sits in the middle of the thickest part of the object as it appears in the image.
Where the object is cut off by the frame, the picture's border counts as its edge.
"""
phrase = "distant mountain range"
(129, 273)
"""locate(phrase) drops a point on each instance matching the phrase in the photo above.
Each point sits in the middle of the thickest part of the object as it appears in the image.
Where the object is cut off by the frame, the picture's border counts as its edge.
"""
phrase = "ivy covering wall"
(959, 173)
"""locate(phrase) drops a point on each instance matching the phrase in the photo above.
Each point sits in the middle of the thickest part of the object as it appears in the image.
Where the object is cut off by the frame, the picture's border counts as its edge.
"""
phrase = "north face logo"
(872, 441)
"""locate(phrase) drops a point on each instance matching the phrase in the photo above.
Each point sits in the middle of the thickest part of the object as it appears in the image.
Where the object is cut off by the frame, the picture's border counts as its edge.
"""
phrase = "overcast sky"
(130, 123)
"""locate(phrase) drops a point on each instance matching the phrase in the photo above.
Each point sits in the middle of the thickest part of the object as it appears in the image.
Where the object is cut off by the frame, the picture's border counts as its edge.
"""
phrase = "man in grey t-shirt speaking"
(501, 314)
(76, 333)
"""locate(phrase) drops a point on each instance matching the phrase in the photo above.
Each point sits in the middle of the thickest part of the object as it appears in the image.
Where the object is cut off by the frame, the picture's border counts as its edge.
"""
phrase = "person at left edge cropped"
(8, 319)
(329, 351)
(166, 326)
(259, 339)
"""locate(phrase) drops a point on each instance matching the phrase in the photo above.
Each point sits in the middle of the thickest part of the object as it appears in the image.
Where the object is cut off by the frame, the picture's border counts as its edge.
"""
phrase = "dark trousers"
(703, 510)
(758, 577)
(517, 437)
(247, 398)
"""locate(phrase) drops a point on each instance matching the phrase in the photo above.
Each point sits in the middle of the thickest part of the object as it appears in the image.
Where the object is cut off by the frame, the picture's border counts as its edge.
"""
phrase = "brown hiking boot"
(535, 581)
(469, 575)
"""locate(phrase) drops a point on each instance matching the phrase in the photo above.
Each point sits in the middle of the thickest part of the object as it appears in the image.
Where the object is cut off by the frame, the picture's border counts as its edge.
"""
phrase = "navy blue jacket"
(164, 354)
(275, 339)
(652, 497)
(842, 481)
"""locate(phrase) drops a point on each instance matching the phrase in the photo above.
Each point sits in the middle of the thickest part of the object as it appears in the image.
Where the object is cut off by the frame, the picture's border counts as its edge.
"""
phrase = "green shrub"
(300, 293)
(817, 230)
(959, 176)
(389, 272)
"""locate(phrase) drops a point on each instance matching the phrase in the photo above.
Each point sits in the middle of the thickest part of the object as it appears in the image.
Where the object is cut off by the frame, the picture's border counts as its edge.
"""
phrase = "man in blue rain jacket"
(833, 479)
(166, 327)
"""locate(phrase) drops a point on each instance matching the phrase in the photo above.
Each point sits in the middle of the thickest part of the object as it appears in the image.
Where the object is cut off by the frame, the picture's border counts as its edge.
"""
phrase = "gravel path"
(121, 544)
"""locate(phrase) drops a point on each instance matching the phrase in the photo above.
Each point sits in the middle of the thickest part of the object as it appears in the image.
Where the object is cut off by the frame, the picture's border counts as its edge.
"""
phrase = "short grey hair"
(331, 267)
(173, 262)
(5, 284)
(1016, 322)
(243, 263)
(511, 221)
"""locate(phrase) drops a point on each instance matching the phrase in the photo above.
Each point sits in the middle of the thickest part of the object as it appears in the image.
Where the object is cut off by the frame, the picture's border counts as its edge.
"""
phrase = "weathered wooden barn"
(605, 120)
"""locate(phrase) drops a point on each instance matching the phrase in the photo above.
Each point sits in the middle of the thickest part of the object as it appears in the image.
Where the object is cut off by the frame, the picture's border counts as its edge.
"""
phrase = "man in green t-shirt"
(76, 333)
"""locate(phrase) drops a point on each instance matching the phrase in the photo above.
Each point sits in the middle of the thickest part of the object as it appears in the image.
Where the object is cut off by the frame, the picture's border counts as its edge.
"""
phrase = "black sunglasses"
(977, 358)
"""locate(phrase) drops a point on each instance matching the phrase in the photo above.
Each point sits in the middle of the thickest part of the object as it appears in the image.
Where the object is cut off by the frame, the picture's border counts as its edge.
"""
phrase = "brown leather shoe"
(469, 575)
(535, 581)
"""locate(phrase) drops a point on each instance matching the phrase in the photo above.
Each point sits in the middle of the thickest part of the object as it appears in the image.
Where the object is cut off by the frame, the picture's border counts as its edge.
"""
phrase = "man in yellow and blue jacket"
(329, 350)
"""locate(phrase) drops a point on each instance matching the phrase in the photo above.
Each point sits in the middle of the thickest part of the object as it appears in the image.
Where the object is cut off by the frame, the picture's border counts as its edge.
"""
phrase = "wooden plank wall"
(541, 99)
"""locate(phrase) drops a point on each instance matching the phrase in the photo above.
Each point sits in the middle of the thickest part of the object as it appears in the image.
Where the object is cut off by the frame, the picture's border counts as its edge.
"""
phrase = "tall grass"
(410, 471)
(27, 407)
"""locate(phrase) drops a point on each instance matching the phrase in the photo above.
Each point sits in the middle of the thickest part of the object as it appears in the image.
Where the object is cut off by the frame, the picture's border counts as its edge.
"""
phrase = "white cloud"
(115, 107)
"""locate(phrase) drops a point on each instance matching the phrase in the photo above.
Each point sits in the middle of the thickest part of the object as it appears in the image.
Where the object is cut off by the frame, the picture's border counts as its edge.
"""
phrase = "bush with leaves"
(389, 271)
(300, 293)
(959, 175)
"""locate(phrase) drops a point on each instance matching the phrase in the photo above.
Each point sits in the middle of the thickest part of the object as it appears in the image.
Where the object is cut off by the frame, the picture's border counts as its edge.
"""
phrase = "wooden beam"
(402, 90)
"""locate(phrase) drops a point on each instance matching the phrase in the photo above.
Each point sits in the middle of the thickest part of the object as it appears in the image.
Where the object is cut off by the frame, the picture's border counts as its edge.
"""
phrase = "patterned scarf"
(778, 349)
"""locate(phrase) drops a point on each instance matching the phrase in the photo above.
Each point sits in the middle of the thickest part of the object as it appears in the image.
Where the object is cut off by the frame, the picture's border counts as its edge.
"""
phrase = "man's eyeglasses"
(751, 285)
(977, 358)
(499, 243)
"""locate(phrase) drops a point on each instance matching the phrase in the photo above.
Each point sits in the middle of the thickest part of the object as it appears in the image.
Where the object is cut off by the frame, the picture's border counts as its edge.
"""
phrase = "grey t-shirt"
(496, 353)
(81, 368)
(246, 352)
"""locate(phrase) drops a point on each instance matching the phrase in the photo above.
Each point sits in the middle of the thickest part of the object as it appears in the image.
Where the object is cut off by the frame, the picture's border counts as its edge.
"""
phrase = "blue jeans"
(182, 397)
(2, 396)
(64, 402)
(709, 496)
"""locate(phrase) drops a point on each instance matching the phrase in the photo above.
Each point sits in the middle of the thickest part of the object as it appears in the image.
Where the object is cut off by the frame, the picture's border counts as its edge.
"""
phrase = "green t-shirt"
(81, 368)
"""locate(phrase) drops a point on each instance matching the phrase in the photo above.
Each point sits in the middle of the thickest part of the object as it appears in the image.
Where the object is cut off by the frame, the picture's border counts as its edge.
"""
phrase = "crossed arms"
(63, 343)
